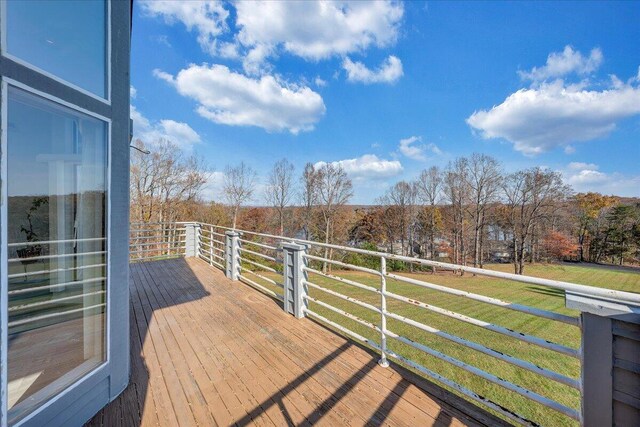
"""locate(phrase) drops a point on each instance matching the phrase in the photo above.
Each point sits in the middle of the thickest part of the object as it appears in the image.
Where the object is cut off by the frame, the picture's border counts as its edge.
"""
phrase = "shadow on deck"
(208, 351)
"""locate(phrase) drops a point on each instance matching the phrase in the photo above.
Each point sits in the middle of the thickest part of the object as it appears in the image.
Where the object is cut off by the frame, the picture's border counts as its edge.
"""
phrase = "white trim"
(5, 53)
(4, 281)
(108, 47)
(5, 82)
(3, 27)
(78, 383)
(107, 256)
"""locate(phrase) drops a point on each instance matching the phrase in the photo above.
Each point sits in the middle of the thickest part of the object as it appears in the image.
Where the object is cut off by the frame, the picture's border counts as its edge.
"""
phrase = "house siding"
(77, 404)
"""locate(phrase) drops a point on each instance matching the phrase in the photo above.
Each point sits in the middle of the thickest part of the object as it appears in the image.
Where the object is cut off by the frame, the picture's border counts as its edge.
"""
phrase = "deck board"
(208, 351)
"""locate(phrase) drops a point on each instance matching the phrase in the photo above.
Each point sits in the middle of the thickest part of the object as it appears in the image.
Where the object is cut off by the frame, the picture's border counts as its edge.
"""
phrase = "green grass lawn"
(530, 295)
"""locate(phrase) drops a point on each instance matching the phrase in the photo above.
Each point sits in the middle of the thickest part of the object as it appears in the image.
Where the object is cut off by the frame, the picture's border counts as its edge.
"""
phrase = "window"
(67, 39)
(56, 246)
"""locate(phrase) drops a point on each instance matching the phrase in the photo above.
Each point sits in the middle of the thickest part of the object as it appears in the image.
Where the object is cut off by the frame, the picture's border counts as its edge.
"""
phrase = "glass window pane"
(56, 234)
(65, 38)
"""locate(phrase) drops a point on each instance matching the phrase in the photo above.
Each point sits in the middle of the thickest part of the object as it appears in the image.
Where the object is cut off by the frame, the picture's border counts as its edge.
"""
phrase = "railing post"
(192, 239)
(211, 245)
(232, 254)
(610, 360)
(295, 276)
(383, 313)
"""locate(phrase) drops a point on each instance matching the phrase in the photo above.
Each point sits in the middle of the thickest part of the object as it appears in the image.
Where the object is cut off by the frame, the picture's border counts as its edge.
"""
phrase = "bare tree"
(239, 186)
(457, 191)
(429, 191)
(279, 191)
(483, 181)
(309, 196)
(530, 196)
(334, 191)
(163, 182)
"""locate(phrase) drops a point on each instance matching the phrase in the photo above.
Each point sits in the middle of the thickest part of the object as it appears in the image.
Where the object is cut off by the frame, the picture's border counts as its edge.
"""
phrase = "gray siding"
(80, 402)
(626, 373)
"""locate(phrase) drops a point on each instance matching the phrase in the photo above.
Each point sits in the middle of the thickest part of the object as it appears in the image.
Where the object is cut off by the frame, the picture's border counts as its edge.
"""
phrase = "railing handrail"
(622, 296)
(289, 259)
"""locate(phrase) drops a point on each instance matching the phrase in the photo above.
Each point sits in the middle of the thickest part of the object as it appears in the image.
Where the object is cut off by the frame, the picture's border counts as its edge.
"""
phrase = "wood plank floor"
(207, 351)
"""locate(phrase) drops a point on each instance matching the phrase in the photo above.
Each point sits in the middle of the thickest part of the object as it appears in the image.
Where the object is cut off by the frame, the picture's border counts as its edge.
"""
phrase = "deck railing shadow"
(455, 405)
(147, 296)
(286, 269)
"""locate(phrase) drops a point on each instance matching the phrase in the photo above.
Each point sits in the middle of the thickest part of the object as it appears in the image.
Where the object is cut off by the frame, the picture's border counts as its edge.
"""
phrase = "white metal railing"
(260, 258)
(256, 258)
(148, 241)
(53, 279)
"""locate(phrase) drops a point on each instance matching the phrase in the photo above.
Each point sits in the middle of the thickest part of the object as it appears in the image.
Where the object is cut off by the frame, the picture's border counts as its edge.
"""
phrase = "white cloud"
(207, 18)
(410, 149)
(162, 39)
(132, 92)
(320, 82)
(368, 166)
(563, 63)
(179, 131)
(213, 189)
(388, 72)
(581, 165)
(585, 177)
(313, 30)
(234, 99)
(555, 114)
(318, 30)
(180, 134)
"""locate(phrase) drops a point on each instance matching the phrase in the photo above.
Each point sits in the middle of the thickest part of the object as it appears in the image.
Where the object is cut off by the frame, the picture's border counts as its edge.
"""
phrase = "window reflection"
(56, 233)
(66, 38)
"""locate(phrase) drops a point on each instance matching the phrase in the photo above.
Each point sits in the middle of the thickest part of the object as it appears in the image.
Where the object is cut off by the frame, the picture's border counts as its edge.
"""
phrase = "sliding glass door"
(56, 247)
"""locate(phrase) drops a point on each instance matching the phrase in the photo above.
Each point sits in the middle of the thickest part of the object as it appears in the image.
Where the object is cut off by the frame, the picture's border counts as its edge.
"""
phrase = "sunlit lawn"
(534, 296)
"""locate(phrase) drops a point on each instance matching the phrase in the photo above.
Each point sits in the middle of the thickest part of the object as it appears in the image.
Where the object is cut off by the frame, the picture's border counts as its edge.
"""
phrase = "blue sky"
(390, 88)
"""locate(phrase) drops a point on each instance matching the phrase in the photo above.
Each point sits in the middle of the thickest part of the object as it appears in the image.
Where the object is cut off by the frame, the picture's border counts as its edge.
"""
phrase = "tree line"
(469, 212)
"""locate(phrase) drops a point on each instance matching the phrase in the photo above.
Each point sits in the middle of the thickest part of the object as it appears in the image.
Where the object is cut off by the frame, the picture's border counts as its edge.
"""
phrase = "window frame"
(102, 368)
(5, 53)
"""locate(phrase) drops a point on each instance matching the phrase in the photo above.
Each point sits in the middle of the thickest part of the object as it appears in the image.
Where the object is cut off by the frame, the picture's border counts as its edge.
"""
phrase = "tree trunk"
(481, 260)
(281, 220)
(515, 254)
(476, 247)
(235, 217)
(326, 250)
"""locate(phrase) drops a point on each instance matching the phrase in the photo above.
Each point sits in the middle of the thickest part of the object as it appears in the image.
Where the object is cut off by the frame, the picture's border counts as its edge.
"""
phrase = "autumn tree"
(253, 219)
(164, 184)
(559, 246)
(590, 208)
(238, 187)
(280, 191)
(368, 226)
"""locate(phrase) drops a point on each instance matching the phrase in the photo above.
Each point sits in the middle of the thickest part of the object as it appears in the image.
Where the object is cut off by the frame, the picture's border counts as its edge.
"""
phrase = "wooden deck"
(207, 351)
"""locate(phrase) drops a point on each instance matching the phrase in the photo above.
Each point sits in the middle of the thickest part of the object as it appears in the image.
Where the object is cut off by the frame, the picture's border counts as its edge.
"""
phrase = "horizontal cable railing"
(148, 241)
(211, 245)
(55, 281)
(447, 333)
